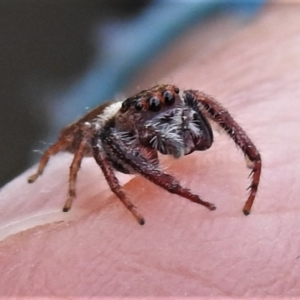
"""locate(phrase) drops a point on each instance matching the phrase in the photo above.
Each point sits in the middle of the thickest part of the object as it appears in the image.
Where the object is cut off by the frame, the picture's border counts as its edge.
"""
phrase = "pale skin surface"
(183, 249)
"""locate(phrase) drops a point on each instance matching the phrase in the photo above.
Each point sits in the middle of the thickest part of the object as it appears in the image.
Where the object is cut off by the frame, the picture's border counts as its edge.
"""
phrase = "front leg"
(215, 112)
(133, 159)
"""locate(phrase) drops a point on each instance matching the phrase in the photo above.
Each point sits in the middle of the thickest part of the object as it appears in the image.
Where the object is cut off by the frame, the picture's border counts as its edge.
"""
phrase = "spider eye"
(138, 106)
(125, 106)
(169, 97)
(154, 104)
(176, 90)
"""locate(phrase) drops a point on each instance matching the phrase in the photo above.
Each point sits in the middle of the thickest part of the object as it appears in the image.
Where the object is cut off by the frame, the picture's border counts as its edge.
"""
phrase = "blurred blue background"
(59, 59)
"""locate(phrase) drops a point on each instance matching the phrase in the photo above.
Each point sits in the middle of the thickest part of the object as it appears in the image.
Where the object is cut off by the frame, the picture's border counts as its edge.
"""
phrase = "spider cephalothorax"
(126, 136)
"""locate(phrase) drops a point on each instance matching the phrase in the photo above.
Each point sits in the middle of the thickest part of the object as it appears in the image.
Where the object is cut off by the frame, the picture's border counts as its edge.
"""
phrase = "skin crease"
(98, 249)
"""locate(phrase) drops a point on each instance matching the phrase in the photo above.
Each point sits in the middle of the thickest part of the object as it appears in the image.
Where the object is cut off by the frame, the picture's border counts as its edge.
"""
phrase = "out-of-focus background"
(59, 59)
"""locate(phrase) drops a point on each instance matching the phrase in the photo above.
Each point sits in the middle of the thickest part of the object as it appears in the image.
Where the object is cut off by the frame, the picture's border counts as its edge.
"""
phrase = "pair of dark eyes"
(155, 104)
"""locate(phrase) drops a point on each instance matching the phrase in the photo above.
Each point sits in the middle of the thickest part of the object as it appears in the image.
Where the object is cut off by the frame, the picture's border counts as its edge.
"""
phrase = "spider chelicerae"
(127, 135)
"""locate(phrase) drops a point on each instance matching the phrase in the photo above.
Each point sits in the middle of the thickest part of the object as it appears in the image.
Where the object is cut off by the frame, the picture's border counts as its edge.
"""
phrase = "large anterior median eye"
(169, 97)
(154, 104)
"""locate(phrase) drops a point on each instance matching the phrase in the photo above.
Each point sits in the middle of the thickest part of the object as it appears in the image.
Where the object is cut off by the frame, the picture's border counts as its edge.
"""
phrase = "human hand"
(98, 249)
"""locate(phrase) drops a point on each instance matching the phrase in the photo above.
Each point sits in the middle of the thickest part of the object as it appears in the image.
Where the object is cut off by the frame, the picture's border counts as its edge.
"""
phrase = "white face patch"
(181, 95)
(194, 129)
(108, 113)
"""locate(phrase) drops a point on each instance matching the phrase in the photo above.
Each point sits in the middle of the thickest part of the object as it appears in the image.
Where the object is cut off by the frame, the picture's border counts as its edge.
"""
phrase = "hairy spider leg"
(217, 113)
(52, 150)
(113, 182)
(74, 168)
(136, 161)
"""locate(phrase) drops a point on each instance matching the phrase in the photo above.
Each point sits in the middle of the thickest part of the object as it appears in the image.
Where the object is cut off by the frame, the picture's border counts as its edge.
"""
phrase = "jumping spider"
(127, 135)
